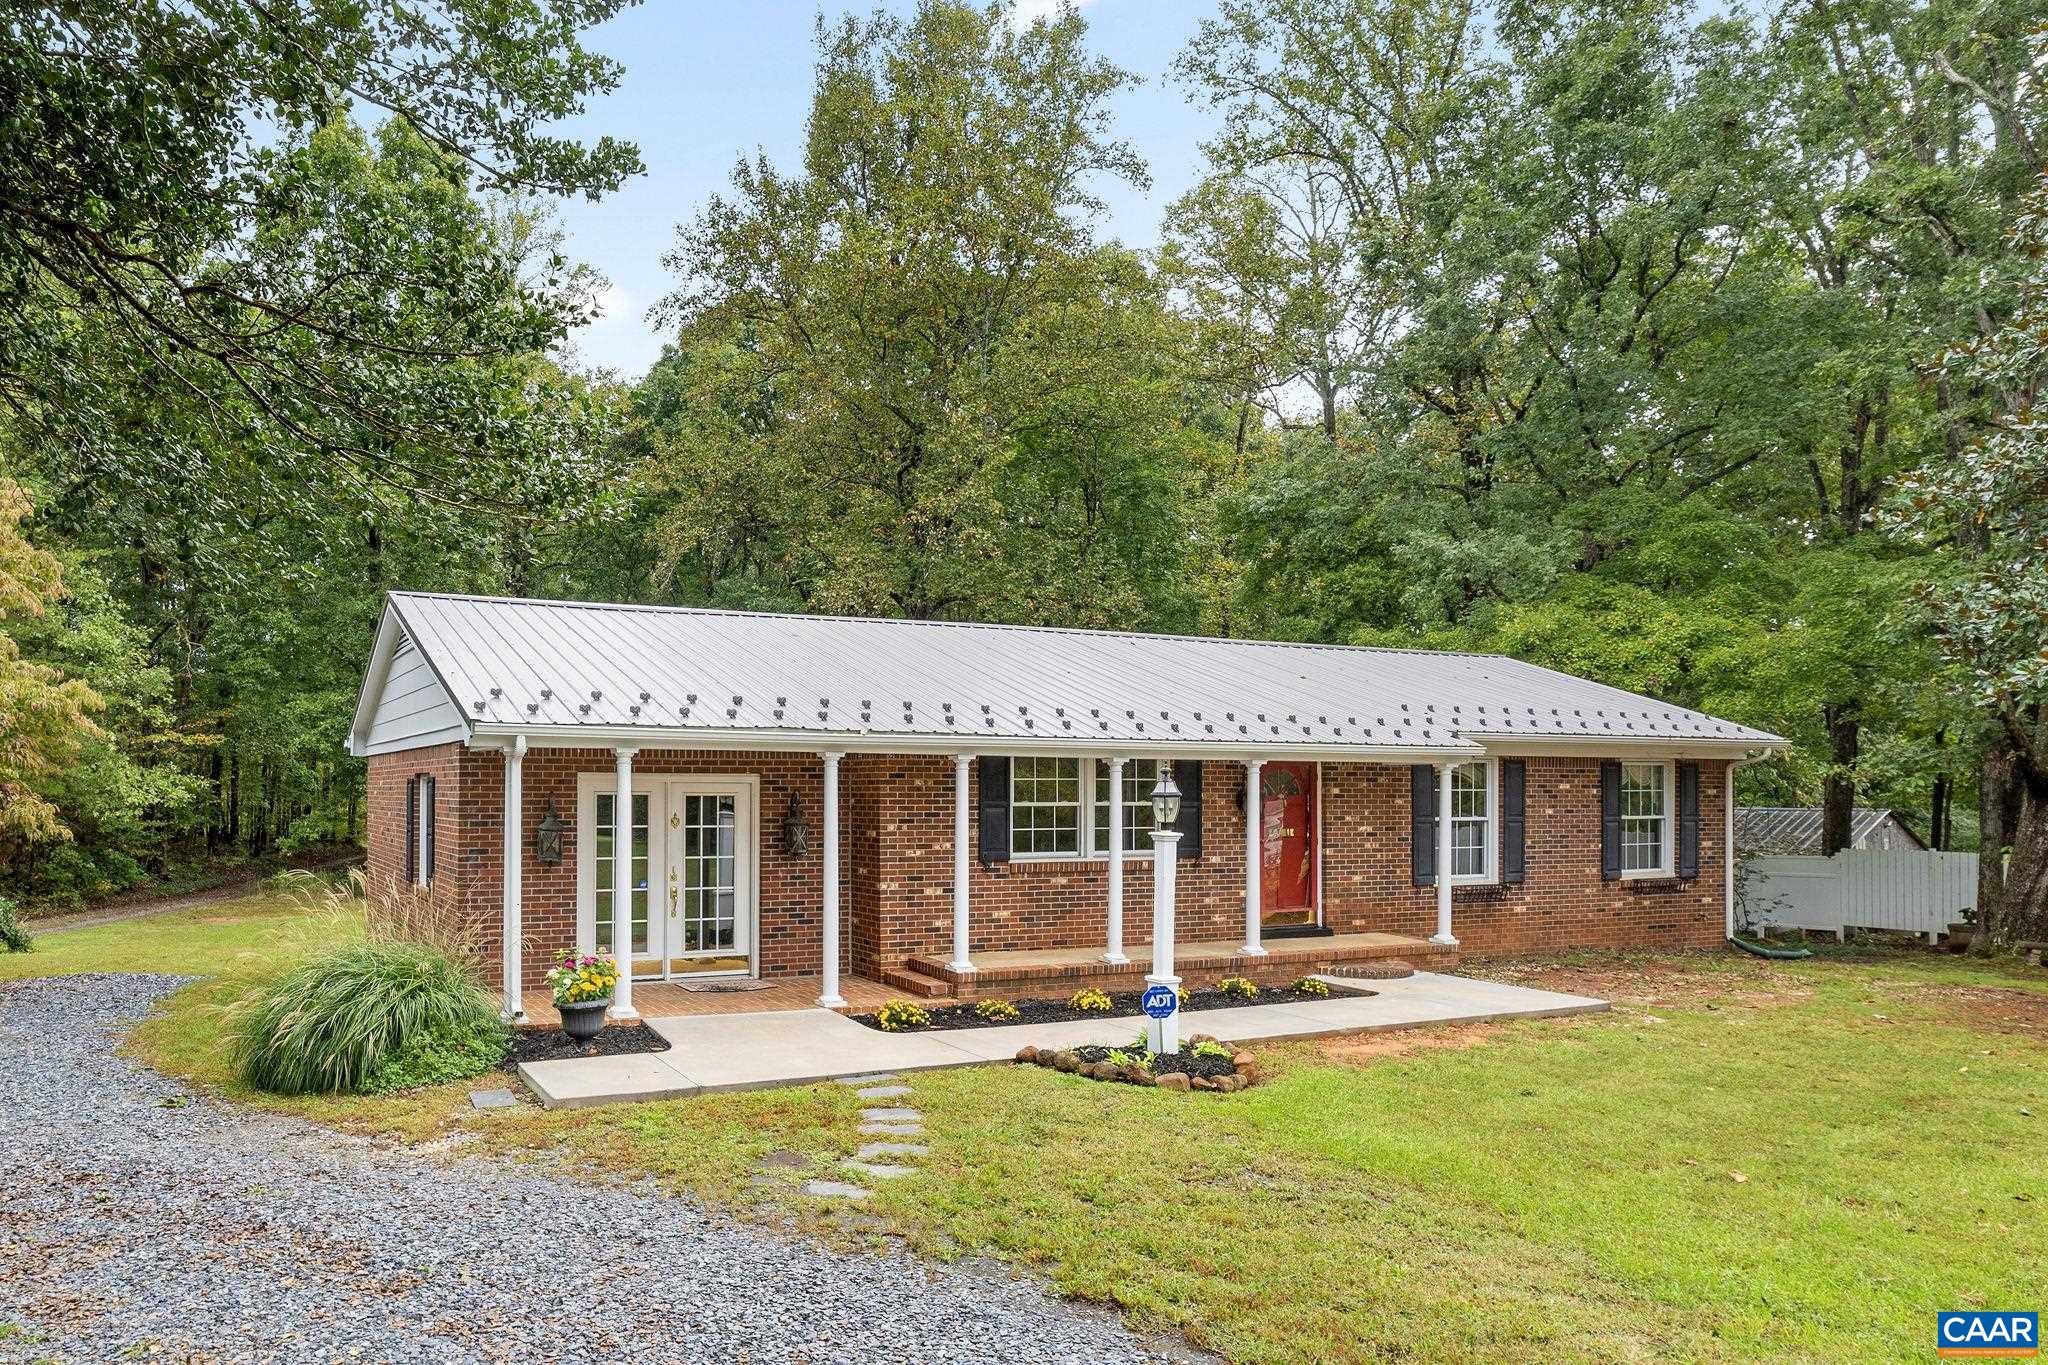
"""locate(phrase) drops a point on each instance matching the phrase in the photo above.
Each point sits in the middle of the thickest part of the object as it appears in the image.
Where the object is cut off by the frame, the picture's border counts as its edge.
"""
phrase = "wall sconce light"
(796, 831)
(547, 839)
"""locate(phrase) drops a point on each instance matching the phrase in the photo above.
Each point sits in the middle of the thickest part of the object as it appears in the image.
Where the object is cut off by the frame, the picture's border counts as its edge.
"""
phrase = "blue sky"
(708, 83)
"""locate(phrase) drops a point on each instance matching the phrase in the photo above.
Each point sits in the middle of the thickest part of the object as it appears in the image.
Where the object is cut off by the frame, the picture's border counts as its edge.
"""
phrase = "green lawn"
(1555, 1190)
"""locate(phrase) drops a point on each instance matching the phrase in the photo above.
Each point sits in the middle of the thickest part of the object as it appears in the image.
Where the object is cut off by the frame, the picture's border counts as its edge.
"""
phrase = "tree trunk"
(1838, 792)
(2012, 857)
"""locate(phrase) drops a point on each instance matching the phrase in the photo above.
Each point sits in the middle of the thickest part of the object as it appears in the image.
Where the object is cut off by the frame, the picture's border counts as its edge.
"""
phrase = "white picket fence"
(1916, 890)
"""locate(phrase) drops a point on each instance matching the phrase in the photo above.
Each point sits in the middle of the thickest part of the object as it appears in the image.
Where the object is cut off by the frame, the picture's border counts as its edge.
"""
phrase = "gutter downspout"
(1728, 845)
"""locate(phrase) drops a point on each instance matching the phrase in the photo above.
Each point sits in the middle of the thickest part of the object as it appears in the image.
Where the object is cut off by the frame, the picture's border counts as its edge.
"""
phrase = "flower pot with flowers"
(583, 989)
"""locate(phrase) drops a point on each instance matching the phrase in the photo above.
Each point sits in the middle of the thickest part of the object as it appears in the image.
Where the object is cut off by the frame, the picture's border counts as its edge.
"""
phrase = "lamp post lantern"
(1162, 987)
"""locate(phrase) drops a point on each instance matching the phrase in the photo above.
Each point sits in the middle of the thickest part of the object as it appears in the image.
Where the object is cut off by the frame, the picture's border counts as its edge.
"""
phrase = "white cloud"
(1025, 13)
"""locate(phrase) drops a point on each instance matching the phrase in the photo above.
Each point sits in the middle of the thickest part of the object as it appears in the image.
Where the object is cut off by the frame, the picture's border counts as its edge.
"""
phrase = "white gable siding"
(413, 710)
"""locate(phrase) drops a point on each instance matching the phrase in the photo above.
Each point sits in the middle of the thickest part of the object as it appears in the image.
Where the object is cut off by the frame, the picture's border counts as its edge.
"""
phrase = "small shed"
(1796, 830)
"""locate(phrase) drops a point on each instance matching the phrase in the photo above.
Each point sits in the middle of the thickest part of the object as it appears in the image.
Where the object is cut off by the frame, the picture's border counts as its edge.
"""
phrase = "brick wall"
(896, 861)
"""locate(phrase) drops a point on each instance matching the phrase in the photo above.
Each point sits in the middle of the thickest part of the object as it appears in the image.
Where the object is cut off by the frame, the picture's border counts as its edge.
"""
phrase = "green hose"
(1783, 954)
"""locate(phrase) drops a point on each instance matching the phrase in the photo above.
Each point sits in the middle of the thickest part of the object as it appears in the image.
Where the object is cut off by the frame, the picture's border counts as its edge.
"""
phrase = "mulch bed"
(544, 1043)
(1123, 1005)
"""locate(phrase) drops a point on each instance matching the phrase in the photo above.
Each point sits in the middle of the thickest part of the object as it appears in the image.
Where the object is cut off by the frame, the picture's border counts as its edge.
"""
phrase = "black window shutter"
(1688, 821)
(1187, 775)
(1422, 822)
(412, 831)
(1610, 820)
(427, 828)
(994, 805)
(1514, 782)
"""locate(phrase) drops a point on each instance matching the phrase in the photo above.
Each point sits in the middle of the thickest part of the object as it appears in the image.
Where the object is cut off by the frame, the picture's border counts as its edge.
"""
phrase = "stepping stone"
(892, 1130)
(884, 1092)
(870, 1150)
(786, 1161)
(877, 1169)
(872, 1078)
(493, 1099)
(835, 1189)
(891, 1114)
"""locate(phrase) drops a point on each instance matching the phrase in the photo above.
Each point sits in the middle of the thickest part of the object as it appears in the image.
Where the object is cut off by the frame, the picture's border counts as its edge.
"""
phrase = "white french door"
(693, 874)
(709, 881)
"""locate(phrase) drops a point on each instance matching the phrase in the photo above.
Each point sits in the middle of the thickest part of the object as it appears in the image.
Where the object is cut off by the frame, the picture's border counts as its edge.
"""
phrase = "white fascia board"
(868, 742)
(1511, 746)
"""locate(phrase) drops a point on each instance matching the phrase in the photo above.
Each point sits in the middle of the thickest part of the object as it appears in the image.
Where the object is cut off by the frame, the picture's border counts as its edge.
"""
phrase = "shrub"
(328, 1026)
(1308, 985)
(897, 1015)
(13, 938)
(995, 1010)
(1089, 1000)
(438, 1056)
(1238, 988)
(1209, 1047)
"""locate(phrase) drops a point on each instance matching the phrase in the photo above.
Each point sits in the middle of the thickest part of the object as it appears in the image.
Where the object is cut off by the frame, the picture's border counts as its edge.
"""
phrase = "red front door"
(1287, 867)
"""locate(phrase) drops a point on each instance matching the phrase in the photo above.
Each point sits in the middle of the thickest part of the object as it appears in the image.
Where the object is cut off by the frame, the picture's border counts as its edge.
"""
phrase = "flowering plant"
(583, 980)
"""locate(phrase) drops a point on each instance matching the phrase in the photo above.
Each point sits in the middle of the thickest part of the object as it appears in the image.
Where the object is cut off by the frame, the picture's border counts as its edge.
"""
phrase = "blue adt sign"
(1160, 1001)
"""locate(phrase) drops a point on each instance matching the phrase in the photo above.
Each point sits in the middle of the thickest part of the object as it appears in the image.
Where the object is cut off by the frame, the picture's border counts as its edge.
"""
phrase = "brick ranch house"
(962, 810)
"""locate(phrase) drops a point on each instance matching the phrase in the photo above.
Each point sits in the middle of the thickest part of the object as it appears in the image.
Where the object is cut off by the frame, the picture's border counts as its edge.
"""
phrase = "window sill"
(1081, 859)
(1650, 874)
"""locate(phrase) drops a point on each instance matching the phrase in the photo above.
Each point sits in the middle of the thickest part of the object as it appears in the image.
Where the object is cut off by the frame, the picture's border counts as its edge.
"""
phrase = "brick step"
(914, 983)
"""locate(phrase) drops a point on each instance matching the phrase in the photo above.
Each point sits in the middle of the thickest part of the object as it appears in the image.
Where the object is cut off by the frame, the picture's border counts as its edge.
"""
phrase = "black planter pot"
(583, 1021)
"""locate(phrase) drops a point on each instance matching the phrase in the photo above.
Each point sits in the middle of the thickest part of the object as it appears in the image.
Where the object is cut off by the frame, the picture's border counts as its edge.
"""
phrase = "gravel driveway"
(134, 1214)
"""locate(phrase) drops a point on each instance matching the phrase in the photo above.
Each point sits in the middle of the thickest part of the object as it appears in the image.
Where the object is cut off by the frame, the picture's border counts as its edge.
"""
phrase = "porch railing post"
(1254, 853)
(1114, 952)
(829, 996)
(622, 884)
(960, 962)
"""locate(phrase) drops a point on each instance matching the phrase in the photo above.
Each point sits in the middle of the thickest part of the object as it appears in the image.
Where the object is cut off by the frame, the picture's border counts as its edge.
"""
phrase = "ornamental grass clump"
(333, 1025)
(898, 1015)
(995, 1011)
(1089, 1000)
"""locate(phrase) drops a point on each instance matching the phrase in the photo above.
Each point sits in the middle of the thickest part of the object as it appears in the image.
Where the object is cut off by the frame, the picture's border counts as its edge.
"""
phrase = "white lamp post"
(1164, 1032)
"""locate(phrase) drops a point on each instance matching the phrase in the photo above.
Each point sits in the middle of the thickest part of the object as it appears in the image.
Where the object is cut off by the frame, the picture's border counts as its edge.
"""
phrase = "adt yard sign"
(1159, 1001)
(1987, 1334)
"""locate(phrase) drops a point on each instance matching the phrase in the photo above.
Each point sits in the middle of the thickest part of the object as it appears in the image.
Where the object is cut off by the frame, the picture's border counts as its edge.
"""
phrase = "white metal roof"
(1796, 829)
(561, 672)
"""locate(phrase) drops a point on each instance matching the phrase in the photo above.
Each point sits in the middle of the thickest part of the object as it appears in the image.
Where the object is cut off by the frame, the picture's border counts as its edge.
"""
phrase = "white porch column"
(1114, 953)
(828, 995)
(1254, 855)
(960, 962)
(1443, 856)
(622, 884)
(515, 853)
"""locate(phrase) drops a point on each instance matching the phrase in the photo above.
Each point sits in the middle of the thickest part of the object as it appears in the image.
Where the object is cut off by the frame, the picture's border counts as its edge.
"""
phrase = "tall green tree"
(919, 384)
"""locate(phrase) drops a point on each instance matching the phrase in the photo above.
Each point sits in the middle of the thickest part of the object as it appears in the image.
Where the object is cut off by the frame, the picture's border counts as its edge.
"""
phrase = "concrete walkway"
(798, 1047)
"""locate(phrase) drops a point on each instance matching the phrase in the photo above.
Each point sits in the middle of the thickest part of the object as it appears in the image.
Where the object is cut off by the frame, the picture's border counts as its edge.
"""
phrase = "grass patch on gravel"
(1556, 1190)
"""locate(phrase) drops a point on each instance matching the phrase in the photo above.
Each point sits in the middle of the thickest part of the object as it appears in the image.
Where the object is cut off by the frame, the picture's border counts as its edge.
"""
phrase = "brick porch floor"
(666, 1000)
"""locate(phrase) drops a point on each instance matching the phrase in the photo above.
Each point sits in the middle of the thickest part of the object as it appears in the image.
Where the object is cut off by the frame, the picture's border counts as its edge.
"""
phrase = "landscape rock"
(1204, 1082)
(1173, 1080)
(1065, 1061)
(1027, 1053)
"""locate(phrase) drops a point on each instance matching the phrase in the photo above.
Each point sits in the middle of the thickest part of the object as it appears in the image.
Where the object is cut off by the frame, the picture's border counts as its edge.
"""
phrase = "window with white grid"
(1472, 821)
(1645, 818)
(1045, 805)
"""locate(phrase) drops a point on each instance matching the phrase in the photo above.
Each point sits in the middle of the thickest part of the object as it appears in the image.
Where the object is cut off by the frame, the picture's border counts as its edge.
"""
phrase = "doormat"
(720, 987)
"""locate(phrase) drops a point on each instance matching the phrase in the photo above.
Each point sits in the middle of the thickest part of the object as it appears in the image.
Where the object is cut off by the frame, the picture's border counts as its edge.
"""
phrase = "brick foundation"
(897, 861)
